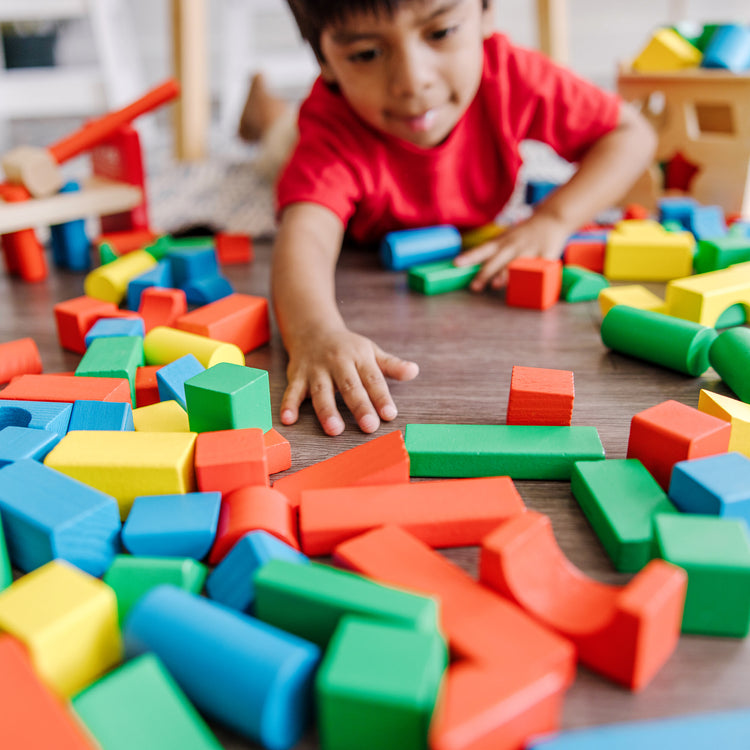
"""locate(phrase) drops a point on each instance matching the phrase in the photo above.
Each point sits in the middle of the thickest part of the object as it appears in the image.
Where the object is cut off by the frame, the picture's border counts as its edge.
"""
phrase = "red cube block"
(539, 396)
(233, 248)
(534, 283)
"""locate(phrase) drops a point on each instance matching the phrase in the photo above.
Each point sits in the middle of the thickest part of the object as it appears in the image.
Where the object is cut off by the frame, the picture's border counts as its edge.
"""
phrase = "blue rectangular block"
(41, 415)
(101, 415)
(171, 378)
(25, 442)
(105, 327)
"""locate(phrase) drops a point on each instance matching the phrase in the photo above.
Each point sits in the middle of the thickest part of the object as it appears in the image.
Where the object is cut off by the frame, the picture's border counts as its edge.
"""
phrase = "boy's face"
(411, 75)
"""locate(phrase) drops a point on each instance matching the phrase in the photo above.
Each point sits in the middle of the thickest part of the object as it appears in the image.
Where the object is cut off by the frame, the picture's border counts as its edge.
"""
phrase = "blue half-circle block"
(410, 247)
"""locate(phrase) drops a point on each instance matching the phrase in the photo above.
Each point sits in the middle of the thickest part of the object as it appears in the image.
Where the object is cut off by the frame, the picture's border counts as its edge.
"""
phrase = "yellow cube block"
(128, 464)
(67, 620)
(737, 413)
(665, 51)
(110, 282)
(163, 345)
(166, 416)
(633, 295)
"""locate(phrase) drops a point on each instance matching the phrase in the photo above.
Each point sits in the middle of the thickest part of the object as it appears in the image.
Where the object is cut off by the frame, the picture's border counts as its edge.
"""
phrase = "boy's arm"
(606, 172)
(324, 355)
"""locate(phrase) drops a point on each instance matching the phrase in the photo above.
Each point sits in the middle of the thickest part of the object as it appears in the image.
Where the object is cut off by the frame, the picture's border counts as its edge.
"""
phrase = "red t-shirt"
(376, 183)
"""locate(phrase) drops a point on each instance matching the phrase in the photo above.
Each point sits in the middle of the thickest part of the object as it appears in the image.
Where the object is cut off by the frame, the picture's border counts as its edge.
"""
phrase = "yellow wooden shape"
(633, 295)
(645, 253)
(128, 464)
(166, 416)
(639, 227)
(110, 282)
(665, 51)
(163, 345)
(480, 235)
(704, 297)
(737, 413)
(67, 621)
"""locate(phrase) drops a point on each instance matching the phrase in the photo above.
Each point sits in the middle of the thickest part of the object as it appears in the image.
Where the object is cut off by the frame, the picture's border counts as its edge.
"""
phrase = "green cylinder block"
(730, 357)
(662, 339)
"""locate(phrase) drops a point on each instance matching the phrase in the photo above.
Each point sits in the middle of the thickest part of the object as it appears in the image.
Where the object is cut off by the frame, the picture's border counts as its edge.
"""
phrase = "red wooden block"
(252, 509)
(74, 318)
(238, 319)
(233, 248)
(540, 396)
(146, 386)
(383, 460)
(278, 451)
(626, 633)
(32, 717)
(670, 432)
(534, 283)
(129, 240)
(636, 211)
(24, 254)
(160, 306)
(226, 460)
(587, 253)
(445, 513)
(19, 357)
(66, 389)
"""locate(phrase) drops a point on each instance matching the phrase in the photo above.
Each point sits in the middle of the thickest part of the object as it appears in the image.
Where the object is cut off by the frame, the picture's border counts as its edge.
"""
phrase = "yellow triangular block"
(166, 416)
(737, 413)
(665, 51)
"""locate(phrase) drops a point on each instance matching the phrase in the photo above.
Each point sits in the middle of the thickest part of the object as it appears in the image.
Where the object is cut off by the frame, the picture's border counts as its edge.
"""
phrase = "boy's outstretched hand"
(337, 359)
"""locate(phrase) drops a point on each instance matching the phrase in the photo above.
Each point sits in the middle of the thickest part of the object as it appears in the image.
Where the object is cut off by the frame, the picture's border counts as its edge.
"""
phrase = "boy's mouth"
(420, 123)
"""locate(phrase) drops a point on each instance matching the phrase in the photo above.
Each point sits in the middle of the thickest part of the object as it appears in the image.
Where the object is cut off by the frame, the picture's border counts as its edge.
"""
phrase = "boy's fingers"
(395, 367)
(477, 254)
(324, 404)
(377, 389)
(294, 395)
(357, 397)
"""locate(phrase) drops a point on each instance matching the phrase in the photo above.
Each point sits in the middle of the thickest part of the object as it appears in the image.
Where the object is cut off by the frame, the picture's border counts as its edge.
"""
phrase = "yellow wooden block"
(67, 621)
(737, 413)
(639, 227)
(166, 416)
(110, 282)
(163, 345)
(480, 235)
(704, 297)
(128, 464)
(665, 51)
(633, 295)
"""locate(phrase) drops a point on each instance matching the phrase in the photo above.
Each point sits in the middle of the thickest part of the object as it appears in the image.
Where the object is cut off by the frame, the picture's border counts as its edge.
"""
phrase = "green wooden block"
(310, 600)
(6, 572)
(131, 577)
(721, 252)
(377, 686)
(113, 357)
(730, 357)
(619, 497)
(140, 706)
(228, 397)
(159, 248)
(715, 553)
(517, 451)
(107, 253)
(580, 284)
(440, 277)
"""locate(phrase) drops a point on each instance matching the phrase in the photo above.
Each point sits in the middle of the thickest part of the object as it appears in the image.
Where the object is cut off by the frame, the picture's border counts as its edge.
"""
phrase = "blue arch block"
(40, 415)
(17, 443)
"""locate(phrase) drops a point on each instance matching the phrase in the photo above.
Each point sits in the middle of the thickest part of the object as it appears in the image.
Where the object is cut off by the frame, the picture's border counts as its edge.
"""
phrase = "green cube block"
(6, 572)
(715, 553)
(580, 284)
(140, 706)
(131, 577)
(113, 357)
(228, 397)
(517, 451)
(619, 497)
(310, 600)
(440, 277)
(377, 686)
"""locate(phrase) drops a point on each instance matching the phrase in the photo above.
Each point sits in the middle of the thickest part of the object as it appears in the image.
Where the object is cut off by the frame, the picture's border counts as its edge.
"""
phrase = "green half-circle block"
(580, 284)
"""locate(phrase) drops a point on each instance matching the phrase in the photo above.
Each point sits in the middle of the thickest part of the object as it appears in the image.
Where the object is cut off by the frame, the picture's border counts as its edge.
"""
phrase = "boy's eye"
(364, 56)
(440, 34)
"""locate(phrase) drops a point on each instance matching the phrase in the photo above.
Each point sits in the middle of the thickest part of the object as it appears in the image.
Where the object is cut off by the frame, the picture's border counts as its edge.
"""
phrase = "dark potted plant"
(29, 44)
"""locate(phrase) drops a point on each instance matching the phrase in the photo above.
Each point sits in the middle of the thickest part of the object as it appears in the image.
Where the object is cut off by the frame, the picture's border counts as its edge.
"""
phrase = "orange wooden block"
(626, 633)
(233, 248)
(24, 254)
(19, 357)
(66, 389)
(74, 318)
(278, 451)
(534, 283)
(32, 717)
(382, 460)
(636, 211)
(160, 306)
(444, 513)
(227, 460)
(146, 386)
(252, 509)
(587, 253)
(128, 240)
(238, 319)
(540, 396)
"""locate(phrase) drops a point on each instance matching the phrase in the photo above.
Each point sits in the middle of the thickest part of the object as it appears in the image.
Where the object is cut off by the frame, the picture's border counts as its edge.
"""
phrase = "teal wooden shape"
(17, 443)
(310, 600)
(113, 357)
(227, 397)
(730, 357)
(517, 451)
(139, 705)
(715, 553)
(131, 577)
(619, 498)
(6, 572)
(101, 415)
(440, 277)
(377, 686)
(580, 284)
(171, 378)
(721, 252)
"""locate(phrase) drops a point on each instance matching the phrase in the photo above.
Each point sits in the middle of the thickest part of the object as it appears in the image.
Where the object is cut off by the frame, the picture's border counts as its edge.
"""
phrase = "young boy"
(416, 120)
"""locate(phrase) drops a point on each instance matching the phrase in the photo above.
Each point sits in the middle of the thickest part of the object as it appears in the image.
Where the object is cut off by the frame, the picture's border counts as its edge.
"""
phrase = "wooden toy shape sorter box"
(702, 117)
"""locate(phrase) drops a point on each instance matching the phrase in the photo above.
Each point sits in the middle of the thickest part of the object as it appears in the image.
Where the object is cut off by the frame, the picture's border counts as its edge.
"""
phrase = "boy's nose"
(410, 73)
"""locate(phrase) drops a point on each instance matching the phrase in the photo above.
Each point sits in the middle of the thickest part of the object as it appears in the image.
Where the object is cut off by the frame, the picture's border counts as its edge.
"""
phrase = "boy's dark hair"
(313, 16)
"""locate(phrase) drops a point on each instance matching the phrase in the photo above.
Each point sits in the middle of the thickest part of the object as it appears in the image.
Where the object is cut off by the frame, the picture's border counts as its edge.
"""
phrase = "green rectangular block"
(517, 451)
(310, 600)
(440, 277)
(6, 572)
(113, 357)
(619, 497)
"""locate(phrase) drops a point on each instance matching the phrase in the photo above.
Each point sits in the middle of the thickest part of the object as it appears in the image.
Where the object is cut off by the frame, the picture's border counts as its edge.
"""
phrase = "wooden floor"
(466, 346)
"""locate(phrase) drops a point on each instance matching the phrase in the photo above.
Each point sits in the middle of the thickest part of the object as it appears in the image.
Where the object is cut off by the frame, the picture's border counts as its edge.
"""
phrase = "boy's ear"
(488, 21)
(326, 72)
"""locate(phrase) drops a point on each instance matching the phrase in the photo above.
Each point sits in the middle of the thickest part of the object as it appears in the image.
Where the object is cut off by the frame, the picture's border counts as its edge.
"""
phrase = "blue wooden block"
(231, 582)
(677, 209)
(715, 485)
(101, 415)
(17, 443)
(248, 675)
(728, 730)
(209, 289)
(48, 515)
(172, 525)
(71, 247)
(171, 378)
(109, 327)
(707, 222)
(536, 190)
(191, 264)
(728, 49)
(41, 415)
(160, 275)
(740, 229)
(594, 236)
(411, 247)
